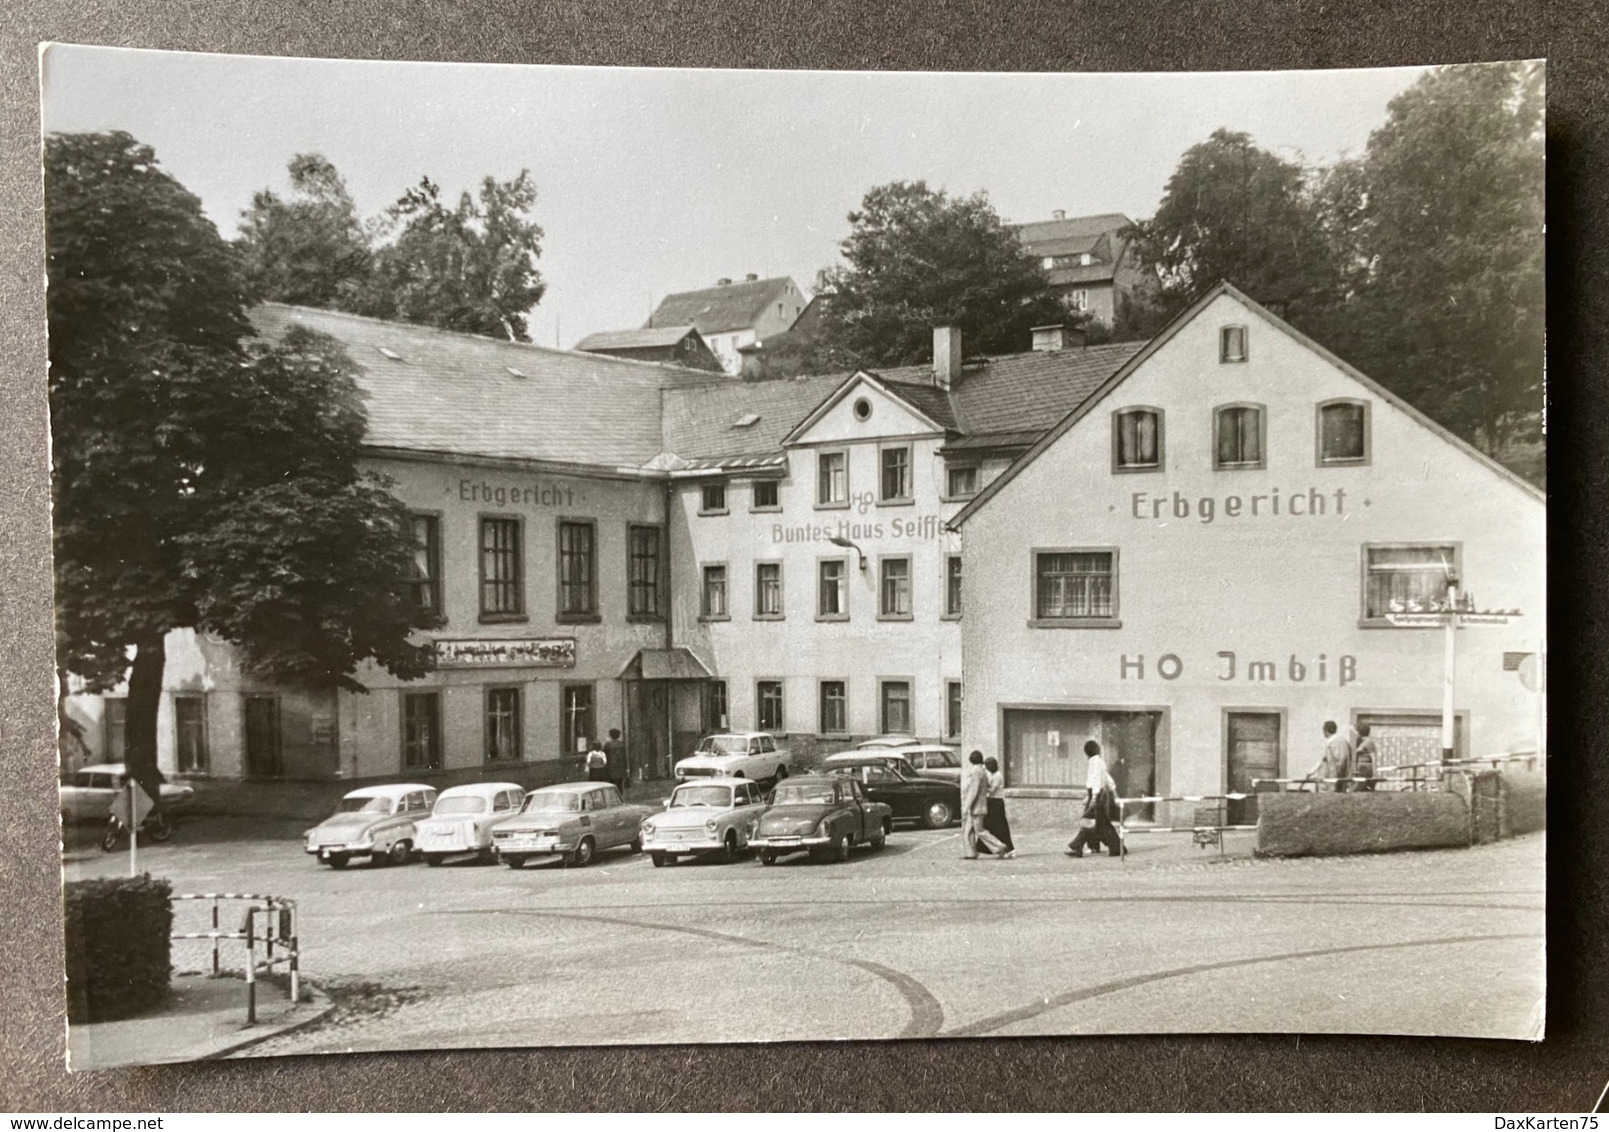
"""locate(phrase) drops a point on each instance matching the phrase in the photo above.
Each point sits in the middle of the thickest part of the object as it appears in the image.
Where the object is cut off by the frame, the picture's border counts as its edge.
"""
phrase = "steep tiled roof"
(714, 309)
(927, 399)
(1080, 273)
(705, 422)
(1071, 228)
(438, 391)
(634, 339)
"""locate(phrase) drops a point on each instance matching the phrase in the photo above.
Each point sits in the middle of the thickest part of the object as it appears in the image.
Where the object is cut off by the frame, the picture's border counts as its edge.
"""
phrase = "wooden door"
(1252, 750)
(263, 754)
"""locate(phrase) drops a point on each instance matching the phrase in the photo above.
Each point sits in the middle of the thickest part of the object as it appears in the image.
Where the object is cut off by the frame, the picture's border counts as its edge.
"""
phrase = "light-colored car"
(753, 755)
(707, 815)
(574, 821)
(463, 819)
(931, 760)
(376, 822)
(89, 794)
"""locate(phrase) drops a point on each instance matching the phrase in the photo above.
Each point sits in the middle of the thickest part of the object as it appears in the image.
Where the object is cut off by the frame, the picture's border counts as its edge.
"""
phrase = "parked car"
(574, 821)
(376, 822)
(934, 802)
(706, 815)
(825, 815)
(737, 754)
(89, 794)
(463, 819)
(879, 741)
(932, 760)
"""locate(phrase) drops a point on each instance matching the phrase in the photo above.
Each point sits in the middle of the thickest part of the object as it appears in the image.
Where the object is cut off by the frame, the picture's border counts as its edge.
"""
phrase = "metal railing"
(278, 930)
(1216, 829)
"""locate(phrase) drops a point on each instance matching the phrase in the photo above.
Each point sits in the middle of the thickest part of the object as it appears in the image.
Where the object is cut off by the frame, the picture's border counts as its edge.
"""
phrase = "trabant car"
(89, 794)
(463, 819)
(376, 822)
(574, 822)
(824, 815)
(706, 815)
(933, 802)
(738, 754)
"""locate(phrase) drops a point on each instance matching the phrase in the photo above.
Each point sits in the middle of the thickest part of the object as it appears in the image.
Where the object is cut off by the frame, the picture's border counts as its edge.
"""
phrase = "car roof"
(810, 779)
(570, 787)
(736, 735)
(102, 768)
(389, 790)
(869, 755)
(480, 789)
(713, 780)
(886, 741)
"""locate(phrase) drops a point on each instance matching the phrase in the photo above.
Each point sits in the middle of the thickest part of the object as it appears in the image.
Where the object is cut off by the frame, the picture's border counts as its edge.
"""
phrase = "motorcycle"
(155, 827)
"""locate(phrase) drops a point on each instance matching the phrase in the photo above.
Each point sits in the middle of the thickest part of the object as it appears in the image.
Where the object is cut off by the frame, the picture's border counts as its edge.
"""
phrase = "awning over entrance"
(665, 664)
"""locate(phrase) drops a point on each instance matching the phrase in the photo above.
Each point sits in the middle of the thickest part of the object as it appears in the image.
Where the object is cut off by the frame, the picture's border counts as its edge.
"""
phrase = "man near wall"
(616, 752)
(975, 808)
(1336, 761)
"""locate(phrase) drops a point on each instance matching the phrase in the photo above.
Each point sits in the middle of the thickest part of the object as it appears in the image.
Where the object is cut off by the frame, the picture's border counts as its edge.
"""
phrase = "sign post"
(1451, 618)
(131, 808)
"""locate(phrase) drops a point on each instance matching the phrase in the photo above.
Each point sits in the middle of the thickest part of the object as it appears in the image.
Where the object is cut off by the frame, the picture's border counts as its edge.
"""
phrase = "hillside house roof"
(733, 306)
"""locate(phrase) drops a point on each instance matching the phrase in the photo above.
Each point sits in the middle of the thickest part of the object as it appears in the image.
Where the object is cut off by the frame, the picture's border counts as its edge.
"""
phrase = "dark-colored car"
(934, 802)
(825, 815)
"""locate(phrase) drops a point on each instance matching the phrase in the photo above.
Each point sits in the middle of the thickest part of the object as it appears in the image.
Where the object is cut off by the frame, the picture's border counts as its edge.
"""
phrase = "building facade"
(1093, 266)
(731, 315)
(1200, 565)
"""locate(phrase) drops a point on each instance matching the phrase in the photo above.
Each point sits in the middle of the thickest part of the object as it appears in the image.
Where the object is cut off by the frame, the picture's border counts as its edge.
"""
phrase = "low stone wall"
(1525, 798)
(1318, 825)
(1045, 807)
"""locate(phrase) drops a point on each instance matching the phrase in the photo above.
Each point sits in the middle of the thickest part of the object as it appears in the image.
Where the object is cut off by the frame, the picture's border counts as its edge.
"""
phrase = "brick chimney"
(946, 355)
(1059, 214)
(751, 278)
(723, 282)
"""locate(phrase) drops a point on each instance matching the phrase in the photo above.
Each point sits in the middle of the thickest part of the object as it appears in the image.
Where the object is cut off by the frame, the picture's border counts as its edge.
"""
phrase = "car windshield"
(365, 806)
(557, 800)
(701, 796)
(804, 794)
(723, 745)
(461, 804)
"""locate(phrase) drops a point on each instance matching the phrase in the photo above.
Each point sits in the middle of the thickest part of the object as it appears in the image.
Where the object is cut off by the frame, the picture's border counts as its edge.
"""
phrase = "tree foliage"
(470, 267)
(201, 479)
(312, 249)
(917, 258)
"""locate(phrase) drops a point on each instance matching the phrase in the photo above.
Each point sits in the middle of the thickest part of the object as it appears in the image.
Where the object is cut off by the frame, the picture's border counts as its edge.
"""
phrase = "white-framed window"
(952, 585)
(895, 481)
(1075, 584)
(768, 591)
(1407, 577)
(895, 707)
(834, 707)
(768, 705)
(832, 479)
(832, 592)
(713, 606)
(894, 589)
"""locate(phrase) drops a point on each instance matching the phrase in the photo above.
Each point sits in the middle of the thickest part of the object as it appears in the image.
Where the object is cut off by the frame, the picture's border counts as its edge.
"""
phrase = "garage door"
(1045, 746)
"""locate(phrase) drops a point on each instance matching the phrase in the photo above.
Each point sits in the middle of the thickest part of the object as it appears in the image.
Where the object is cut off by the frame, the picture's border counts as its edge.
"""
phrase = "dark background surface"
(1564, 1073)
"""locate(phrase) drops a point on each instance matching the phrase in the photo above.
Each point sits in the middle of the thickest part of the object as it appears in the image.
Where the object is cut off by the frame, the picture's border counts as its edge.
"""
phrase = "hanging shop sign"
(523, 652)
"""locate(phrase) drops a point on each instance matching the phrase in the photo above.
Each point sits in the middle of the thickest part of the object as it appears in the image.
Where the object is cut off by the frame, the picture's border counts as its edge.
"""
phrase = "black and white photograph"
(578, 556)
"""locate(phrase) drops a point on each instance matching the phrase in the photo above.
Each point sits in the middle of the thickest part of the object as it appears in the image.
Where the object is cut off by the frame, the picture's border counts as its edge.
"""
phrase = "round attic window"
(863, 409)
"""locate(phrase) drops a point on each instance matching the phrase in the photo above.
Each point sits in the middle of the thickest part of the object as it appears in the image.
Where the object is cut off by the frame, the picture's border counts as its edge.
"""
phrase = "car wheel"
(513, 860)
(581, 856)
(880, 838)
(841, 848)
(768, 857)
(729, 846)
(659, 859)
(399, 853)
(336, 860)
(487, 856)
(938, 814)
(636, 844)
(158, 827)
(434, 859)
(782, 772)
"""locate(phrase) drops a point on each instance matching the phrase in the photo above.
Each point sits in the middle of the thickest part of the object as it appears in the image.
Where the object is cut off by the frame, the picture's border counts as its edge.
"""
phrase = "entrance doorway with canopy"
(664, 697)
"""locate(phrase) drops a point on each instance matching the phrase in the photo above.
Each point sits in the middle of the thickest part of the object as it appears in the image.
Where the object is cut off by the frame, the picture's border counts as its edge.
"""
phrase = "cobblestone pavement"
(911, 941)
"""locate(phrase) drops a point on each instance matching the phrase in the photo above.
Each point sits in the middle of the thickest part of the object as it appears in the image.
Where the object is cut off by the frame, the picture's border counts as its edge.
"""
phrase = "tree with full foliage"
(1232, 211)
(311, 249)
(202, 479)
(470, 268)
(917, 258)
(1446, 210)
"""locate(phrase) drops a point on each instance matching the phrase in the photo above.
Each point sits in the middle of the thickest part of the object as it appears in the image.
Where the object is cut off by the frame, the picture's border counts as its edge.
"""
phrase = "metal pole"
(251, 967)
(296, 961)
(133, 834)
(215, 970)
(1449, 641)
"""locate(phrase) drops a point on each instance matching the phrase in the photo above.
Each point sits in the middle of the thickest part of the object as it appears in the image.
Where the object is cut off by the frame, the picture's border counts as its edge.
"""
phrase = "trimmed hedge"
(1322, 825)
(118, 950)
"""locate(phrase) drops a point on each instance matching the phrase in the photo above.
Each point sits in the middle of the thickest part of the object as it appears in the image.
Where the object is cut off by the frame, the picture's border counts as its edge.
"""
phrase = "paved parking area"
(911, 941)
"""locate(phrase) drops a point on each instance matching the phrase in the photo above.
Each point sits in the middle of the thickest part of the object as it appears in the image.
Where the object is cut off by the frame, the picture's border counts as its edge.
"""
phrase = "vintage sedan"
(89, 794)
(823, 815)
(934, 802)
(573, 822)
(707, 815)
(740, 754)
(463, 820)
(376, 822)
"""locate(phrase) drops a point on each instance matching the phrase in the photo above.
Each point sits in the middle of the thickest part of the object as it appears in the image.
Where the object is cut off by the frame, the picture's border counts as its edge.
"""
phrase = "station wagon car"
(376, 822)
(463, 819)
(933, 802)
(738, 754)
(574, 821)
(89, 794)
(706, 815)
(823, 815)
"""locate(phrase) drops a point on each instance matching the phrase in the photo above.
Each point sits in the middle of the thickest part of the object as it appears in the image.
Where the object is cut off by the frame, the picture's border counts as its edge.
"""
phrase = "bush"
(1322, 825)
(118, 950)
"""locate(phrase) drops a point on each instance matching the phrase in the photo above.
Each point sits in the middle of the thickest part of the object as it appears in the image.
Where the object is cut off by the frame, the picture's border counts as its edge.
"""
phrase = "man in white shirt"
(1101, 808)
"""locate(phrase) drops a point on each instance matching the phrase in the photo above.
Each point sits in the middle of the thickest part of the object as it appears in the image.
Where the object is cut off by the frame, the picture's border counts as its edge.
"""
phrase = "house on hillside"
(673, 345)
(1091, 264)
(1212, 554)
(731, 315)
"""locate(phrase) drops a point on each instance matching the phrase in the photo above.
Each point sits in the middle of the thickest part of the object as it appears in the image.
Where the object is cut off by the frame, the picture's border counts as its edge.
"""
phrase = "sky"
(655, 181)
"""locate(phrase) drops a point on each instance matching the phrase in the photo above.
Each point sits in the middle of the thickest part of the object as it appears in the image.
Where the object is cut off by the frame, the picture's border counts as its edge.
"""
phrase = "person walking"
(995, 819)
(1096, 828)
(597, 763)
(1365, 757)
(974, 808)
(615, 751)
(1335, 762)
